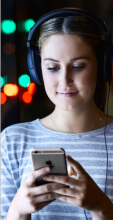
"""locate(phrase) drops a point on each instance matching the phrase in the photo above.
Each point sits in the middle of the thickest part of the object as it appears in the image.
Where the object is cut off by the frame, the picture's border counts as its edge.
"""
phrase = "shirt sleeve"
(8, 187)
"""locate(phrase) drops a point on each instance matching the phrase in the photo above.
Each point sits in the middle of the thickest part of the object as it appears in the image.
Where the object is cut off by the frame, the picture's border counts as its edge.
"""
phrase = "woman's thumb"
(71, 171)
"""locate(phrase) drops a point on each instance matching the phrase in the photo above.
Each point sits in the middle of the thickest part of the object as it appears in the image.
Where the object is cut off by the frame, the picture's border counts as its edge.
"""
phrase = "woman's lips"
(67, 94)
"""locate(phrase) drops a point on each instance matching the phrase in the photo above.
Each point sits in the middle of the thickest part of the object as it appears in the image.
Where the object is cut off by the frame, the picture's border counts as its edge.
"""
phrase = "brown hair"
(89, 32)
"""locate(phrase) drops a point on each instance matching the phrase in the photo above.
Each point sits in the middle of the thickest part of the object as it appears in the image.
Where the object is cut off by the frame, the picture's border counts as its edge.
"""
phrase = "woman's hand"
(31, 198)
(85, 192)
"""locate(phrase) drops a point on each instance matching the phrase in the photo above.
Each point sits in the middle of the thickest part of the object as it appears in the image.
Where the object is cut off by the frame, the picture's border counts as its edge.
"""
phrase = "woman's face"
(69, 70)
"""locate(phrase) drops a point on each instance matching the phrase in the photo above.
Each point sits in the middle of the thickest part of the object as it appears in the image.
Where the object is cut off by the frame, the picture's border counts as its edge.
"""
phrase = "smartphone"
(55, 158)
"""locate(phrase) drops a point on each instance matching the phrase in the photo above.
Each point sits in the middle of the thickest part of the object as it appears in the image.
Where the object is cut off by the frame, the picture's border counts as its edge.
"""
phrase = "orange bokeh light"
(9, 48)
(32, 88)
(3, 98)
(10, 90)
(27, 97)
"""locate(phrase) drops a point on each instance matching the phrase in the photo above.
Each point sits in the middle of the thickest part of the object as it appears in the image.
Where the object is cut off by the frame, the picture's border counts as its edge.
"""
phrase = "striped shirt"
(87, 148)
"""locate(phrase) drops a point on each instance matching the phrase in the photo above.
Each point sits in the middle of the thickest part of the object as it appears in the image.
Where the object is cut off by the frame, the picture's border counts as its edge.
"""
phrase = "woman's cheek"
(87, 84)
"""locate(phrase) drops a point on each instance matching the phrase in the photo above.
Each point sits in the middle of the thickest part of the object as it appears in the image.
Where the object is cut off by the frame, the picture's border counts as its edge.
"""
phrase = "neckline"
(83, 135)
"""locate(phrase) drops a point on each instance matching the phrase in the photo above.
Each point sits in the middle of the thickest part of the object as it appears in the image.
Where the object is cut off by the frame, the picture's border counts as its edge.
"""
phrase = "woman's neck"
(77, 121)
(85, 119)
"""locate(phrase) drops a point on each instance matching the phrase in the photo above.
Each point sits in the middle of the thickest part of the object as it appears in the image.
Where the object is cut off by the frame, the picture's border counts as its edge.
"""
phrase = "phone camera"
(36, 152)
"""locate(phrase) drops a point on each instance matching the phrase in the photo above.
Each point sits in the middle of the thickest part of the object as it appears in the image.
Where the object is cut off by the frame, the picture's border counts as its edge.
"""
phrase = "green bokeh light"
(29, 24)
(24, 80)
(3, 81)
(8, 26)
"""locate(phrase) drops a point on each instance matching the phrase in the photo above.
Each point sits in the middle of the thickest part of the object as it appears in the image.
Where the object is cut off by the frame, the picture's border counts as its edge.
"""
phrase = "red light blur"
(32, 88)
(9, 48)
(27, 97)
(3, 98)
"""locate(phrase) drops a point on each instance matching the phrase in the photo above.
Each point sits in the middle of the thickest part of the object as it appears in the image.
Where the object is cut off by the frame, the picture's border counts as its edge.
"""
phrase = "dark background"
(15, 64)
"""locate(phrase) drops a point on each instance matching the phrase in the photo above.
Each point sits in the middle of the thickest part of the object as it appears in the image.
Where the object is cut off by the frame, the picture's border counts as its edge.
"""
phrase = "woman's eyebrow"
(76, 58)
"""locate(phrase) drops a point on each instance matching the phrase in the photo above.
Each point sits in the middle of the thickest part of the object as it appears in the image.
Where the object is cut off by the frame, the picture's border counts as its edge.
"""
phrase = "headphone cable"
(105, 135)
(105, 143)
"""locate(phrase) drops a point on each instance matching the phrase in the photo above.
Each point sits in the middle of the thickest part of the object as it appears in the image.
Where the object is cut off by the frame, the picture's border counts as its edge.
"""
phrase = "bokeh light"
(8, 26)
(3, 81)
(3, 98)
(32, 88)
(11, 90)
(9, 48)
(29, 23)
(27, 97)
(26, 25)
(24, 80)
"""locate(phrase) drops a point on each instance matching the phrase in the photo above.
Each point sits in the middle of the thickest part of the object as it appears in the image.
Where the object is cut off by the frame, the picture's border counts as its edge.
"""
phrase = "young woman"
(69, 50)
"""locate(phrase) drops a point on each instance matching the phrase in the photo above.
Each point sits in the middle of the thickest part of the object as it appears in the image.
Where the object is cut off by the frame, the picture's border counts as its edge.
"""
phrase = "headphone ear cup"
(34, 64)
(105, 61)
(38, 64)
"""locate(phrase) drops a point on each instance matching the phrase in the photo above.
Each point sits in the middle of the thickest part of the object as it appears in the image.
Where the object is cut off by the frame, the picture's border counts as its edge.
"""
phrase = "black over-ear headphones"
(33, 57)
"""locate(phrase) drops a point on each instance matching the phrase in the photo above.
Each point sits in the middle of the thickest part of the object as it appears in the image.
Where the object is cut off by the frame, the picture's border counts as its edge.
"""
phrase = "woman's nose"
(65, 78)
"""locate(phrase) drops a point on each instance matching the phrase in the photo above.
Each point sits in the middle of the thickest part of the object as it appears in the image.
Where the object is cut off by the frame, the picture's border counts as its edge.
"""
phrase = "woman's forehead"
(57, 38)
(65, 45)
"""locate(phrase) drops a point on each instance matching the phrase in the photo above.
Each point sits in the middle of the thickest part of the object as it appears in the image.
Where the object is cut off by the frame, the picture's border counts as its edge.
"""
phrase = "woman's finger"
(34, 175)
(81, 173)
(43, 198)
(39, 190)
(66, 180)
(41, 205)
(68, 199)
(72, 192)
(71, 171)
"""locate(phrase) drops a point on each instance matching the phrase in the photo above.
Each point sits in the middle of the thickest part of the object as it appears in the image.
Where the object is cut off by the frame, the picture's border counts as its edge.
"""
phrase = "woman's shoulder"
(20, 135)
(20, 128)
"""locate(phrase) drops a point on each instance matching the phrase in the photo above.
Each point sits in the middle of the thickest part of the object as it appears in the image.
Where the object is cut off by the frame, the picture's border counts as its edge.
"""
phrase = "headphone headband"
(70, 12)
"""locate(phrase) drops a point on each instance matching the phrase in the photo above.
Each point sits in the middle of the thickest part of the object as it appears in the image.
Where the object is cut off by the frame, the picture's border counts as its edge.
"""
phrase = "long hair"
(88, 32)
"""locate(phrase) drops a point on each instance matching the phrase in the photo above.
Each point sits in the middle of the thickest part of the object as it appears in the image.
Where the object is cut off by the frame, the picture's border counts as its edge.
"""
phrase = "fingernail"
(47, 169)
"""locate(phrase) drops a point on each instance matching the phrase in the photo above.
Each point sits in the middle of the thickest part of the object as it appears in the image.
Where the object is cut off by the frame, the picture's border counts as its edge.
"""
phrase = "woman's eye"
(78, 67)
(53, 69)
